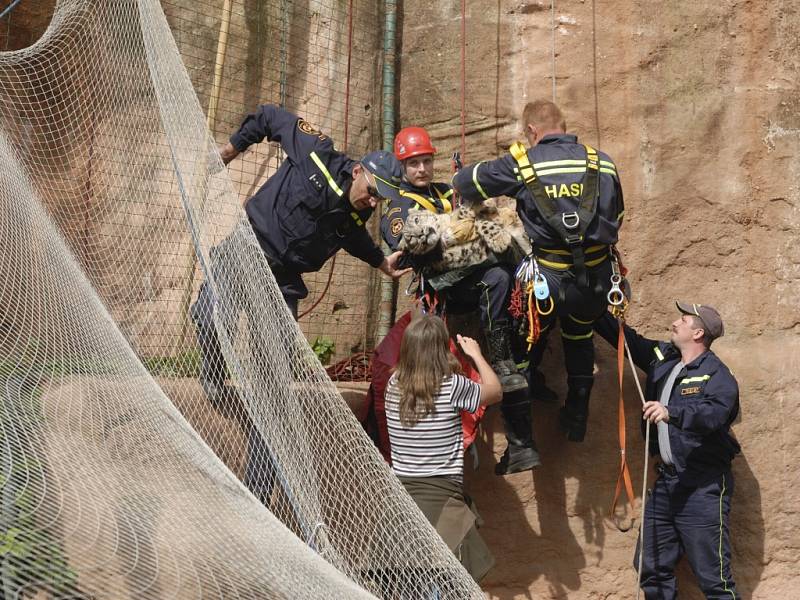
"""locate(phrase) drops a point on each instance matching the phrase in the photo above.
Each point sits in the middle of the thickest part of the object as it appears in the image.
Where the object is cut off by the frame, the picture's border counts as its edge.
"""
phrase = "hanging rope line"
(553, 44)
(345, 146)
(463, 79)
(594, 71)
(644, 474)
(8, 10)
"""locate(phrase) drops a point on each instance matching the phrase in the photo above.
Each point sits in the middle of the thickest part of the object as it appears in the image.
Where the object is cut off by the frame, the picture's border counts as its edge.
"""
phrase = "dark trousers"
(576, 311)
(260, 471)
(687, 520)
(488, 288)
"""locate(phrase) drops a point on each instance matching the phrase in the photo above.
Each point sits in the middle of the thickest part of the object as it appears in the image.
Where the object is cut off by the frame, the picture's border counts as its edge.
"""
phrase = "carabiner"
(615, 296)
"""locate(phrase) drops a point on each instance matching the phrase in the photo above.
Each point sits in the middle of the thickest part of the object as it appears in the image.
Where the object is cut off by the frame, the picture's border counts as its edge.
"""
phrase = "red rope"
(349, 61)
(463, 79)
(346, 129)
(325, 291)
(357, 367)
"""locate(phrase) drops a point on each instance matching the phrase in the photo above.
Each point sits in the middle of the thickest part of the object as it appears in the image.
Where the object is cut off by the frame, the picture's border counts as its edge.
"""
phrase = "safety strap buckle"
(570, 220)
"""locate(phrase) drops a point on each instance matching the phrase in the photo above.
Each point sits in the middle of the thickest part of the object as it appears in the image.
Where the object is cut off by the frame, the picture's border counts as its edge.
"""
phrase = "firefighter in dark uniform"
(570, 201)
(418, 191)
(487, 287)
(315, 204)
(694, 401)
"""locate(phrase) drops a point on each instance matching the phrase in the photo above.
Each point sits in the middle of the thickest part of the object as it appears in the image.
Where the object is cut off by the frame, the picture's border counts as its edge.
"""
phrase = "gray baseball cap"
(387, 172)
(712, 322)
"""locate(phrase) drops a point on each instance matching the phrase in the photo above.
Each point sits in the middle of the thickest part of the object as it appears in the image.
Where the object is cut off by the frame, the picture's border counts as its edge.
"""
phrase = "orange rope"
(534, 327)
(624, 476)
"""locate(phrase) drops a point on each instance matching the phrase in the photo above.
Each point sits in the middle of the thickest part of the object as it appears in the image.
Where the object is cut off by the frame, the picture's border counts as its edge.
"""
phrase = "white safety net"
(118, 477)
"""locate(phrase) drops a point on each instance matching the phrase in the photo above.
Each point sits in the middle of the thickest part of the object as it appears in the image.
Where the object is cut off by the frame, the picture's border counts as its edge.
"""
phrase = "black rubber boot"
(498, 340)
(521, 453)
(538, 390)
(575, 413)
(224, 398)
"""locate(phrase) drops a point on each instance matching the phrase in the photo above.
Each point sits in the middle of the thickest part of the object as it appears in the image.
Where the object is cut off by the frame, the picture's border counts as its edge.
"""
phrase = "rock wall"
(124, 221)
(698, 105)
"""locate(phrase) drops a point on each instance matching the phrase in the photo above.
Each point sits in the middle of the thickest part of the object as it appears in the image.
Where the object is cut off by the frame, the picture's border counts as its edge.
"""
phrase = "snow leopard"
(467, 236)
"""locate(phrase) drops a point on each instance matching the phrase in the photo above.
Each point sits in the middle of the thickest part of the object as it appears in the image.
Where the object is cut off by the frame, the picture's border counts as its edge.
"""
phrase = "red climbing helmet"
(412, 141)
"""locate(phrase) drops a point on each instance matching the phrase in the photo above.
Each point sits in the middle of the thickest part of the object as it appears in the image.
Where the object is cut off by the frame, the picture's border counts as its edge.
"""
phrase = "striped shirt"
(434, 446)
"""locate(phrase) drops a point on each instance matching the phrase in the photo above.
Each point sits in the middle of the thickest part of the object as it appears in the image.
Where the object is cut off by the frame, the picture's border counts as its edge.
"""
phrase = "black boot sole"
(520, 464)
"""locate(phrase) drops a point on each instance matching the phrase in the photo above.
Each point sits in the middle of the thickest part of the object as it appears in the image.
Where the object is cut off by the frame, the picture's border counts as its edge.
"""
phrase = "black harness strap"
(571, 226)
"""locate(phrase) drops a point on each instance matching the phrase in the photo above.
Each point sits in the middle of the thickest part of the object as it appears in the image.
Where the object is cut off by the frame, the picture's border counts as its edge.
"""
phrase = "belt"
(664, 469)
(560, 259)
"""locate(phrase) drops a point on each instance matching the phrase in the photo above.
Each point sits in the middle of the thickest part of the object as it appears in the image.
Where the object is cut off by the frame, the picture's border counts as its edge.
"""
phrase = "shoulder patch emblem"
(309, 129)
(396, 226)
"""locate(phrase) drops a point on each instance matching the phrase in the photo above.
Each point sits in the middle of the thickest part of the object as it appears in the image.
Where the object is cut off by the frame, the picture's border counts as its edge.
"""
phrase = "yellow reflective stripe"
(475, 180)
(579, 321)
(658, 353)
(619, 216)
(584, 336)
(696, 379)
(554, 265)
(447, 195)
(421, 200)
(327, 174)
(721, 523)
(356, 218)
(572, 162)
(564, 266)
(609, 171)
(609, 164)
(588, 250)
(543, 172)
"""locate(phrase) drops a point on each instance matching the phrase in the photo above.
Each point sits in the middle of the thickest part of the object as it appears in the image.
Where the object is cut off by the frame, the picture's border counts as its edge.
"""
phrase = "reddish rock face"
(698, 105)
(25, 23)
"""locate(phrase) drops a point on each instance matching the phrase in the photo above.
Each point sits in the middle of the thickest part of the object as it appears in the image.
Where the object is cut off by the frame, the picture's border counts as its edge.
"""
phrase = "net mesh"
(118, 479)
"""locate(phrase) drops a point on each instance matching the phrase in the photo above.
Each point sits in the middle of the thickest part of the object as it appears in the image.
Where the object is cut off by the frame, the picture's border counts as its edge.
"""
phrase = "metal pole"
(388, 299)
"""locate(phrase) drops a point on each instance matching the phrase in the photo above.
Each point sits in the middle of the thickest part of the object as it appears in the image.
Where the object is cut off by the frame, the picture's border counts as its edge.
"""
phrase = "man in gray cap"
(696, 400)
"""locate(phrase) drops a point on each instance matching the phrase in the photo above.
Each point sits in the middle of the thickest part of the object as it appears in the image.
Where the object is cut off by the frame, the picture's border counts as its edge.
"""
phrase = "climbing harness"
(425, 203)
(570, 226)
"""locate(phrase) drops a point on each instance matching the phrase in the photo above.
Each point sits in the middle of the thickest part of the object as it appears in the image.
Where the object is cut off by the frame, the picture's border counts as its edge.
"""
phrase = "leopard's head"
(420, 232)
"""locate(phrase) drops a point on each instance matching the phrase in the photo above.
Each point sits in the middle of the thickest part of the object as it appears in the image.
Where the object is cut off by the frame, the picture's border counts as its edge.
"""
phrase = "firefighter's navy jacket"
(436, 197)
(702, 406)
(560, 165)
(302, 215)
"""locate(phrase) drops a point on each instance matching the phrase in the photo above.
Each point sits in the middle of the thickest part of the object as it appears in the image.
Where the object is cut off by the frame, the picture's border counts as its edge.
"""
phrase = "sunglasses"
(372, 188)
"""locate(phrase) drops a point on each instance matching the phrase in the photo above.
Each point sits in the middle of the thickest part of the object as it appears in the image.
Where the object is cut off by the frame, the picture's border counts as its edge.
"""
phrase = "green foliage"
(30, 554)
(186, 364)
(324, 347)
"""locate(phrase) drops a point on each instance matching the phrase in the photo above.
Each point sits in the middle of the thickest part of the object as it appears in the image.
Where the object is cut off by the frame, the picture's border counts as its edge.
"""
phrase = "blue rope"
(9, 8)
